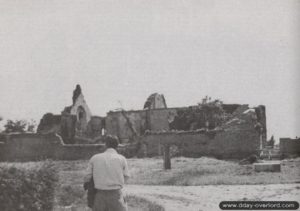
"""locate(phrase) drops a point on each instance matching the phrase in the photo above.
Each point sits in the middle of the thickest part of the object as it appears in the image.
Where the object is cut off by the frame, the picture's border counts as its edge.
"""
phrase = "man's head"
(111, 142)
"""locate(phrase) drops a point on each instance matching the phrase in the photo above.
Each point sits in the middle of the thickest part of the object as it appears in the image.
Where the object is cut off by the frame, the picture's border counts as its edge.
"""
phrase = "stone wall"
(81, 110)
(121, 124)
(155, 101)
(118, 123)
(49, 123)
(73, 120)
(159, 118)
(30, 147)
(216, 143)
(95, 126)
(67, 128)
(290, 147)
(1, 150)
(242, 118)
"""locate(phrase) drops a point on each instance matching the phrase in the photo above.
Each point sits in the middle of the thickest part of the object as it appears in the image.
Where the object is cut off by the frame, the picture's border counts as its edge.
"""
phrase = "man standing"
(109, 171)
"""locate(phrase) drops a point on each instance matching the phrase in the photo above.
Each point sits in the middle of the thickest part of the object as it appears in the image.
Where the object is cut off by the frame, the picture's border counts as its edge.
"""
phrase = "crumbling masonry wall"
(30, 147)
(121, 123)
(290, 147)
(222, 144)
(125, 125)
(242, 117)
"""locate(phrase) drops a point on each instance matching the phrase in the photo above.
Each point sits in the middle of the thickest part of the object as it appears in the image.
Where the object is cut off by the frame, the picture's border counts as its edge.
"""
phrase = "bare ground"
(192, 184)
(200, 198)
(206, 198)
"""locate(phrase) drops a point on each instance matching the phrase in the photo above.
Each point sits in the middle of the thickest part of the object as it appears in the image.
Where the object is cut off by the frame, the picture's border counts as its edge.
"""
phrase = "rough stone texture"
(67, 128)
(78, 105)
(26, 147)
(77, 91)
(216, 143)
(289, 147)
(141, 120)
(242, 118)
(30, 147)
(269, 166)
(155, 101)
(82, 112)
(117, 124)
(66, 125)
(49, 123)
(77, 123)
(160, 119)
(95, 126)
(230, 108)
(77, 151)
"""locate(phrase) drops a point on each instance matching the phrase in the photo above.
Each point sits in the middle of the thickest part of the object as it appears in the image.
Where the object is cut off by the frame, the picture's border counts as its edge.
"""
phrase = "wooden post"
(167, 159)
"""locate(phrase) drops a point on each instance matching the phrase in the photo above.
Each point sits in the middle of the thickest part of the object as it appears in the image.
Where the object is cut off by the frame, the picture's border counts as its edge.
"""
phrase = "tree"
(207, 114)
(213, 112)
(31, 126)
(19, 126)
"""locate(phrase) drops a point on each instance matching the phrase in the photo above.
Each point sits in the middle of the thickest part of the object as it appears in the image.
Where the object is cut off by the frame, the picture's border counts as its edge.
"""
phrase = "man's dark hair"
(111, 142)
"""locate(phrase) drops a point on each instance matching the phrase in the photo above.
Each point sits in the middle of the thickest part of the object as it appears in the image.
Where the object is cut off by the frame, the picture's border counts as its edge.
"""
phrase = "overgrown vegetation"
(207, 114)
(19, 126)
(27, 186)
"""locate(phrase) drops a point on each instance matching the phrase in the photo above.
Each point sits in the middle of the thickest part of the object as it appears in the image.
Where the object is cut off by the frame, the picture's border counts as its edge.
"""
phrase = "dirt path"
(206, 198)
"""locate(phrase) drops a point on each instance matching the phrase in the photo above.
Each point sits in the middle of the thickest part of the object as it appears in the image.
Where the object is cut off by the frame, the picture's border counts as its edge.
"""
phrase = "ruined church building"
(209, 128)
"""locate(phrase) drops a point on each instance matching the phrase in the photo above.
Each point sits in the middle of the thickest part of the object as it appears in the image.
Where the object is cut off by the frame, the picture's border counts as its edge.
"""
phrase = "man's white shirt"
(108, 170)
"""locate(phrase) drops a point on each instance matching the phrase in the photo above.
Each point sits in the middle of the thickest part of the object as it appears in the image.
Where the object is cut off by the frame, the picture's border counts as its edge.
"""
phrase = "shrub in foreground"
(26, 187)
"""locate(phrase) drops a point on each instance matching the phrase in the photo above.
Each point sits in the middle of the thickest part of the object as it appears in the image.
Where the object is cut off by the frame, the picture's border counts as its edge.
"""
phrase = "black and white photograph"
(149, 105)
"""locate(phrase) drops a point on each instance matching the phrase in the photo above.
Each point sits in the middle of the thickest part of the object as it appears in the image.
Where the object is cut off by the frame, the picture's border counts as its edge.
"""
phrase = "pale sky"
(242, 51)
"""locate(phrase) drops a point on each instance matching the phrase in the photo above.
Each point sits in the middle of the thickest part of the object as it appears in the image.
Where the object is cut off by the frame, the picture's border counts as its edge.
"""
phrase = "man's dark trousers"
(109, 200)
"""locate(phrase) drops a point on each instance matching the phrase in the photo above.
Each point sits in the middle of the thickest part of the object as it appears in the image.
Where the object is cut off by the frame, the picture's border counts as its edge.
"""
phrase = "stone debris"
(249, 160)
(274, 166)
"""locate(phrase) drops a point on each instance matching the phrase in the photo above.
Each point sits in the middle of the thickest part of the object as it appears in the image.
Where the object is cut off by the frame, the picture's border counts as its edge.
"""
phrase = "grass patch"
(189, 171)
(68, 195)
(149, 171)
(208, 171)
(136, 203)
(74, 198)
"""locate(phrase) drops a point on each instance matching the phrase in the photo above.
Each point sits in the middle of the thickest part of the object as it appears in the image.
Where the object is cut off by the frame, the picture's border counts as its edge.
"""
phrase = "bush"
(28, 186)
